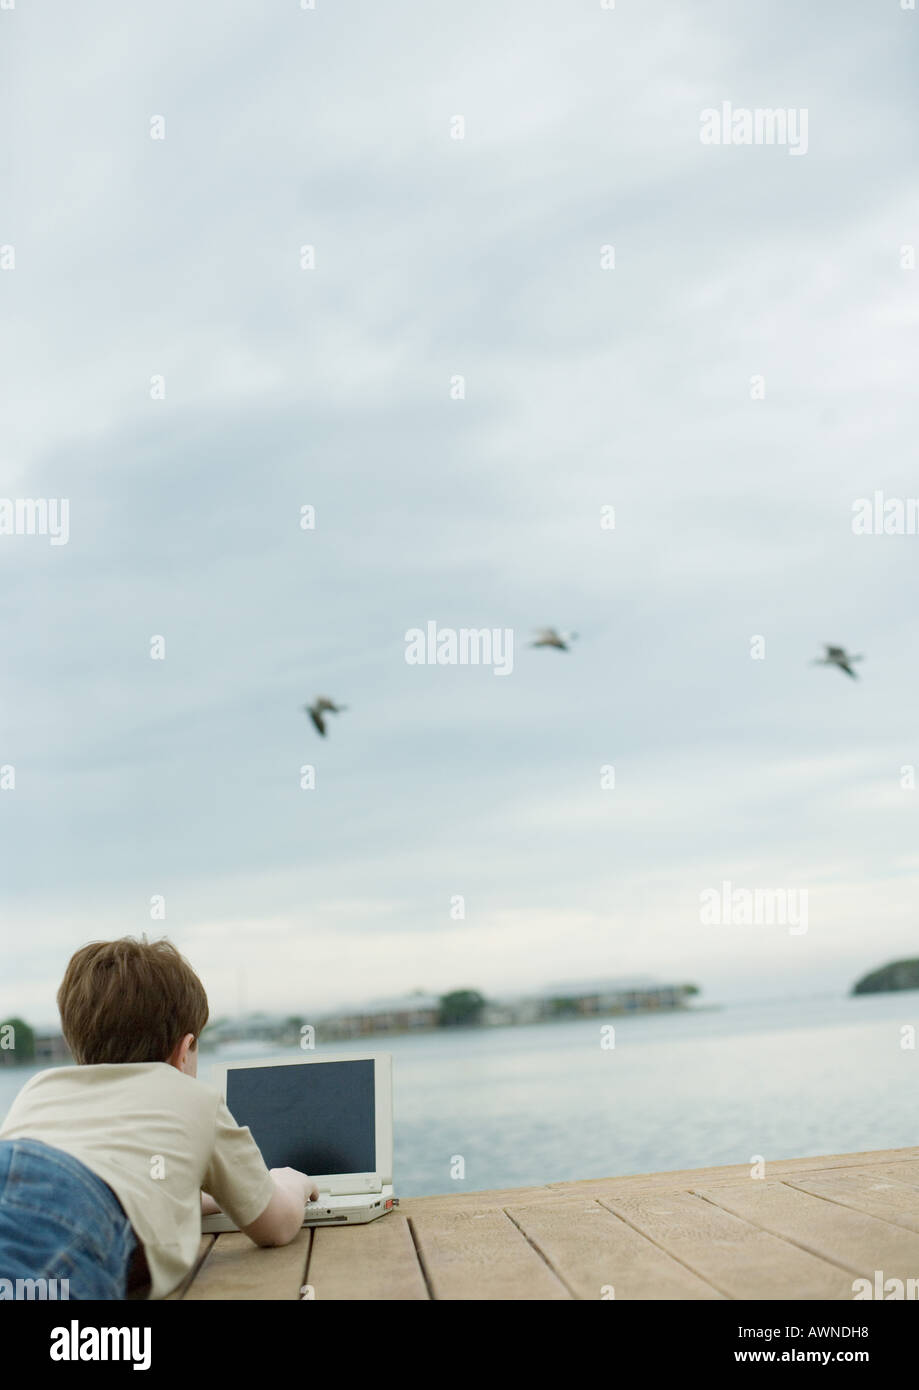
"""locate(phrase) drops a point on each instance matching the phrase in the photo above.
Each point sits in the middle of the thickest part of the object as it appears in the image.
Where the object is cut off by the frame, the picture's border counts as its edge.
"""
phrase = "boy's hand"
(299, 1185)
(282, 1219)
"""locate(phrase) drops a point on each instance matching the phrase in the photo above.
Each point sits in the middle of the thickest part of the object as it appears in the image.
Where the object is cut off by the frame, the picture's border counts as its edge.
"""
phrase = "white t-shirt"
(157, 1137)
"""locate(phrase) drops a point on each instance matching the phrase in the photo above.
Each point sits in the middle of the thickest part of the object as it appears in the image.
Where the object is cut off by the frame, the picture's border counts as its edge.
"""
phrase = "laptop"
(329, 1116)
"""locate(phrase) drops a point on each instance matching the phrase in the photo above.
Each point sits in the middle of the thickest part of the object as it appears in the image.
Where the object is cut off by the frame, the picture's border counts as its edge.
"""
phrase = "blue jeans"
(58, 1220)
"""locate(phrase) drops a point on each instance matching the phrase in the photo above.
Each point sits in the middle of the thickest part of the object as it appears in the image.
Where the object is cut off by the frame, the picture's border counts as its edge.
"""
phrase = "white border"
(339, 1184)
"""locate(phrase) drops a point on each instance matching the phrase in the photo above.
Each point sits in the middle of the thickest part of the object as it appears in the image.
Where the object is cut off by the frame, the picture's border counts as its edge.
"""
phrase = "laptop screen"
(318, 1117)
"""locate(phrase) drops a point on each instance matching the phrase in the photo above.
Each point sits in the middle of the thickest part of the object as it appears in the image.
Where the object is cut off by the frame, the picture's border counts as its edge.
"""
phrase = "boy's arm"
(283, 1216)
(267, 1205)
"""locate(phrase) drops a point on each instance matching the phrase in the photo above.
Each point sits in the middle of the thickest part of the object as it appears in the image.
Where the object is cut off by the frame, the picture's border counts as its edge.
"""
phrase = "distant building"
(400, 1014)
(418, 1011)
(498, 1013)
(619, 996)
(585, 998)
(48, 1049)
(251, 1028)
(51, 1048)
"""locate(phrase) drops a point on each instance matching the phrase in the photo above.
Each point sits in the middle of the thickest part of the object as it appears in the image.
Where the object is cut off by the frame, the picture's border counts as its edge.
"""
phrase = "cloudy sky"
(179, 258)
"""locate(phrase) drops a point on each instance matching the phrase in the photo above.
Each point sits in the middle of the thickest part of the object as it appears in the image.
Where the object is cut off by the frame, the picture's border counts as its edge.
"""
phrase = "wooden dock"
(806, 1230)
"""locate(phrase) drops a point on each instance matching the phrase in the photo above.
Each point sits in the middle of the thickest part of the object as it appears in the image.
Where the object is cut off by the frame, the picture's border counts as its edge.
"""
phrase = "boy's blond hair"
(129, 1001)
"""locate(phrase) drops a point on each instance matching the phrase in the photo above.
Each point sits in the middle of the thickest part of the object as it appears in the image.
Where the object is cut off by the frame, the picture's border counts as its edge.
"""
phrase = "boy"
(102, 1165)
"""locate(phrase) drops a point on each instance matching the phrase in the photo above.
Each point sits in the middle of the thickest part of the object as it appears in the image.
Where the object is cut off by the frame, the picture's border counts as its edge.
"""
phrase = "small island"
(900, 974)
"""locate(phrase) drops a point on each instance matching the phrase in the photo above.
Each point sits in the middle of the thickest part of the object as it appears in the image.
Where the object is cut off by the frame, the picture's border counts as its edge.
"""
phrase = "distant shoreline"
(602, 1017)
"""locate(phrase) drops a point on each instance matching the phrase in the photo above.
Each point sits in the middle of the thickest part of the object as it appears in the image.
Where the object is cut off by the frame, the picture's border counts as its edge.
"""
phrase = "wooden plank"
(884, 1197)
(204, 1247)
(594, 1252)
(740, 1260)
(236, 1268)
(680, 1179)
(376, 1261)
(475, 1201)
(858, 1212)
(687, 1178)
(852, 1239)
(482, 1255)
(904, 1172)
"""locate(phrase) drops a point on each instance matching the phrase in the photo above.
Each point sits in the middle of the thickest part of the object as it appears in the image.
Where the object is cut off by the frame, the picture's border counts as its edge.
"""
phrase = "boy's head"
(130, 1001)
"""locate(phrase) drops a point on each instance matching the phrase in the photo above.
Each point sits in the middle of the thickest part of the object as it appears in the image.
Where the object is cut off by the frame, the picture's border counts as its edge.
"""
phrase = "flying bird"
(322, 706)
(838, 656)
(548, 637)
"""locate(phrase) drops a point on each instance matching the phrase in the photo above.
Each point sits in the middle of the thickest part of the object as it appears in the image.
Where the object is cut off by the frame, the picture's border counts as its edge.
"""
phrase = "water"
(546, 1103)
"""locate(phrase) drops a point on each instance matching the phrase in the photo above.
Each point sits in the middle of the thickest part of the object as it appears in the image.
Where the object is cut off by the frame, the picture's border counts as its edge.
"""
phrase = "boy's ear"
(178, 1054)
